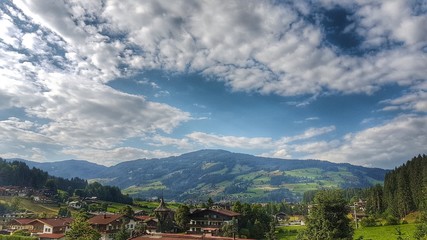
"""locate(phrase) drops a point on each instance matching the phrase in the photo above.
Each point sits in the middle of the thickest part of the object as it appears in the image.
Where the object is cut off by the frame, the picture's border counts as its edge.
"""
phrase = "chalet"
(109, 224)
(174, 236)
(210, 221)
(281, 216)
(21, 224)
(151, 223)
(75, 204)
(51, 225)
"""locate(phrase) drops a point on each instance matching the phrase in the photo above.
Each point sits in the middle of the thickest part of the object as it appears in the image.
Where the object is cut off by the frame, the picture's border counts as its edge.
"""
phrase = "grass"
(386, 232)
(368, 233)
(38, 208)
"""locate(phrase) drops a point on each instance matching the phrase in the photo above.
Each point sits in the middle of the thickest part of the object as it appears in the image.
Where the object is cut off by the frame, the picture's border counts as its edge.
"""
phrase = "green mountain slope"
(224, 175)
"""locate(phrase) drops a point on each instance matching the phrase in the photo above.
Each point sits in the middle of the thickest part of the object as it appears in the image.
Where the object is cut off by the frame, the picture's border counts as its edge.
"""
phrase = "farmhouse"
(210, 220)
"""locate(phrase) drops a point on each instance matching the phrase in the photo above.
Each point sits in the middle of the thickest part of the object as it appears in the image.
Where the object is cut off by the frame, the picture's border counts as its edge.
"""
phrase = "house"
(210, 220)
(140, 213)
(150, 223)
(21, 224)
(281, 216)
(75, 204)
(51, 225)
(109, 224)
(175, 236)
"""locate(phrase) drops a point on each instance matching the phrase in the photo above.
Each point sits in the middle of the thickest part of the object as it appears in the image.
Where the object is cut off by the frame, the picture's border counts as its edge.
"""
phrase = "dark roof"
(219, 211)
(104, 219)
(51, 235)
(55, 222)
(162, 207)
(171, 236)
(22, 221)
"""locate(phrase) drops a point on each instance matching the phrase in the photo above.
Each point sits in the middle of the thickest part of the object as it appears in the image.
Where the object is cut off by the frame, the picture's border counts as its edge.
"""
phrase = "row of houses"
(203, 223)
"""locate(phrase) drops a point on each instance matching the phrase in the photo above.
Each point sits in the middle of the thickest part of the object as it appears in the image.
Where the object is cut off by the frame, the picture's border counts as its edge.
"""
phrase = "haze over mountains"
(219, 174)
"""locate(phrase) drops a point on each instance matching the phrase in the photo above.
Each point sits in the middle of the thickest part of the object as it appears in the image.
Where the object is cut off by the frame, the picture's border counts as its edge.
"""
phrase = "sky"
(110, 81)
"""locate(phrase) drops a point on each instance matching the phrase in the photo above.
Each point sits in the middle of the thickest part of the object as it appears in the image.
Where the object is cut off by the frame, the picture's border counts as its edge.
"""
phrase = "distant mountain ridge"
(221, 175)
(67, 168)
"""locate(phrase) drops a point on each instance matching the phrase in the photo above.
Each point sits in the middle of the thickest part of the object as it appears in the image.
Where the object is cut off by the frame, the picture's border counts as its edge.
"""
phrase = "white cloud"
(250, 45)
(414, 101)
(386, 145)
(213, 140)
(309, 133)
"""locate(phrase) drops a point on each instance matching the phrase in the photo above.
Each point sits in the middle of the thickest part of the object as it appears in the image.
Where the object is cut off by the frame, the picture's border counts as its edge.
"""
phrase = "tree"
(122, 234)
(271, 234)
(327, 219)
(230, 229)
(64, 212)
(210, 203)
(81, 230)
(421, 230)
(182, 217)
(127, 211)
(15, 203)
(140, 229)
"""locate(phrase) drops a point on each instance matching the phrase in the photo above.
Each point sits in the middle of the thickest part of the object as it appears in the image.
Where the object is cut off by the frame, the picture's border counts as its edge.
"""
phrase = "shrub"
(368, 222)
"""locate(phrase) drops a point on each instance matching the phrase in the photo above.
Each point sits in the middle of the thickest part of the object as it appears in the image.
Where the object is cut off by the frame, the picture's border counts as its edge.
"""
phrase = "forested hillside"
(405, 188)
(222, 175)
(17, 173)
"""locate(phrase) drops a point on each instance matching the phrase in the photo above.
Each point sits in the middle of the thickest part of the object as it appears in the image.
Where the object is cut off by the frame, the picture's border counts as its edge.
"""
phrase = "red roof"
(171, 236)
(51, 235)
(23, 221)
(104, 219)
(143, 218)
(55, 222)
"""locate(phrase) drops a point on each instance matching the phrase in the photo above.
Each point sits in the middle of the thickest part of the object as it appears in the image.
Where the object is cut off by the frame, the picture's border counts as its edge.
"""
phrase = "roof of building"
(22, 221)
(51, 235)
(171, 236)
(143, 218)
(104, 219)
(162, 207)
(55, 222)
(219, 211)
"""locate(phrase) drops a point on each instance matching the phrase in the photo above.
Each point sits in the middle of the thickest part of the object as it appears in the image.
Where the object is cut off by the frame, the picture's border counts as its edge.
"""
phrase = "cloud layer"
(58, 56)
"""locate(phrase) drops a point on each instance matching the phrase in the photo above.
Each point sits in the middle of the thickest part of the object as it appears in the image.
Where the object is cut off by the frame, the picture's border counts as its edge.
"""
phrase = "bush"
(391, 220)
(368, 222)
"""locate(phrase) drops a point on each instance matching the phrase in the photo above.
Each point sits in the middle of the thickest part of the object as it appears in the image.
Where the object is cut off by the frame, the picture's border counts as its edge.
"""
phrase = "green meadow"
(368, 233)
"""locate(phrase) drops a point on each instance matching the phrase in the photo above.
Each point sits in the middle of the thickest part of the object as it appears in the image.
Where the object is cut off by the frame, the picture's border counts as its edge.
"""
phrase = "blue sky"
(110, 81)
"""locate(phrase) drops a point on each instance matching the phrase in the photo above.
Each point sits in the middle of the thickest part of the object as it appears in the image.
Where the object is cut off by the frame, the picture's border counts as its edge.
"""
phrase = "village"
(206, 222)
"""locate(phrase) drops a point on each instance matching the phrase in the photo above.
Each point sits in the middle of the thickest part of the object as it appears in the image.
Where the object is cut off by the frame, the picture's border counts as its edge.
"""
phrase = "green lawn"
(386, 232)
(368, 233)
(49, 209)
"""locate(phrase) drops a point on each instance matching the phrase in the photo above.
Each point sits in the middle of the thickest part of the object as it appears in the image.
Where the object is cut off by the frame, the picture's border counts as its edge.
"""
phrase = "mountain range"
(219, 174)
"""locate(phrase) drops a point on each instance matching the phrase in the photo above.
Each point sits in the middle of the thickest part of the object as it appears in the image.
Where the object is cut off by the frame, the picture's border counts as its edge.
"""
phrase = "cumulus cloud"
(57, 57)
(250, 45)
(384, 146)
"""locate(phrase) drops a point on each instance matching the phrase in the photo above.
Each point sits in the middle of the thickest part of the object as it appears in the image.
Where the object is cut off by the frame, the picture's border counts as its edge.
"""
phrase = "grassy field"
(48, 209)
(386, 232)
(368, 233)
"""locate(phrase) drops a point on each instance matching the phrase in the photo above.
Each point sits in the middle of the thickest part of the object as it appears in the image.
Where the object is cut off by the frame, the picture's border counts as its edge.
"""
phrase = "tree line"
(18, 173)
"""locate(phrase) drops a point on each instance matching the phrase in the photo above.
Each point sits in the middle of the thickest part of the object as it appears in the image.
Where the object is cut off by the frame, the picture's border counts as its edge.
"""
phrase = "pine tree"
(327, 219)
(81, 230)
